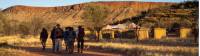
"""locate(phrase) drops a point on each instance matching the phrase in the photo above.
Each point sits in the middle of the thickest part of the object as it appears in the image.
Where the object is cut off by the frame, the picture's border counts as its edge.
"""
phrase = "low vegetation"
(8, 46)
(184, 14)
(13, 52)
(123, 48)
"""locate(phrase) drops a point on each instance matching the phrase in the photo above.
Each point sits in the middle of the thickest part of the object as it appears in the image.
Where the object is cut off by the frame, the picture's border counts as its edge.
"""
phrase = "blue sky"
(48, 3)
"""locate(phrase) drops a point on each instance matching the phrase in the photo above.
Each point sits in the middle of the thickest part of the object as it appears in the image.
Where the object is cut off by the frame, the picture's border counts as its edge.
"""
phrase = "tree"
(95, 18)
(36, 25)
(5, 26)
(24, 28)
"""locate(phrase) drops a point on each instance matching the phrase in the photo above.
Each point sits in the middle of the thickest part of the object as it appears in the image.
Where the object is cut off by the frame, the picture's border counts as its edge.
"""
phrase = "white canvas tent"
(132, 26)
(107, 27)
(119, 26)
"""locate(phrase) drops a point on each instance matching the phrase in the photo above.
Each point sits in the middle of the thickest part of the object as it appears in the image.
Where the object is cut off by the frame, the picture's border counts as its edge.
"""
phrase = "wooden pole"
(113, 34)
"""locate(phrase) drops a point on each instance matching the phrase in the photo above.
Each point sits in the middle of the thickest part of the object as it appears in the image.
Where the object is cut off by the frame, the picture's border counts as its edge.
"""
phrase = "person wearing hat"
(80, 39)
(58, 38)
(43, 38)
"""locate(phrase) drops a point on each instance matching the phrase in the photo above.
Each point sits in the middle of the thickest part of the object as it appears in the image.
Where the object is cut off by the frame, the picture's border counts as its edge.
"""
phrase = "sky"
(51, 3)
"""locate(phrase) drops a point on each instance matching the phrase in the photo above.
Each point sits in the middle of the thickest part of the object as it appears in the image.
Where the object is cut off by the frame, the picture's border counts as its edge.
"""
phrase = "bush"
(29, 27)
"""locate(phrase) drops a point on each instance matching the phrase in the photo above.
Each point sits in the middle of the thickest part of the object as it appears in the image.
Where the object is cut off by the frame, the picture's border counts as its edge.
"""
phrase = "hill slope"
(178, 15)
(71, 15)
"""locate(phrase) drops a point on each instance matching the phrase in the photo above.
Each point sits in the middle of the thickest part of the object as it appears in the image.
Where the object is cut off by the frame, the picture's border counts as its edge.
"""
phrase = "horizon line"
(86, 2)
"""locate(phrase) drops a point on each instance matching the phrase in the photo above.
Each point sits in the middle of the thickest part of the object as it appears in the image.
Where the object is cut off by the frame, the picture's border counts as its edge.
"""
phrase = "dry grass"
(124, 46)
(7, 43)
(33, 41)
(14, 52)
(17, 39)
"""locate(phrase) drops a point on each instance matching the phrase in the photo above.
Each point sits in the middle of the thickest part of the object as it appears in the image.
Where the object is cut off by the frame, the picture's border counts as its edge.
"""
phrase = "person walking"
(80, 39)
(43, 38)
(71, 39)
(58, 38)
(65, 36)
(52, 36)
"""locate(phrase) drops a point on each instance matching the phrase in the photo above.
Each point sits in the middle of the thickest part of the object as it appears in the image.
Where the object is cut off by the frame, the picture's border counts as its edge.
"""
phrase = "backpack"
(71, 35)
(58, 32)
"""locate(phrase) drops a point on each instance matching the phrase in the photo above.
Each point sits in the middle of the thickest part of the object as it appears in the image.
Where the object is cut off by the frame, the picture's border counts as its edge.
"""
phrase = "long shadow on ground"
(49, 52)
(94, 51)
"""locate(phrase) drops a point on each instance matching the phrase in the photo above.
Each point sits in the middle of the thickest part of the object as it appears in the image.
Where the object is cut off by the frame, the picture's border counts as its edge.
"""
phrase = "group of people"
(69, 35)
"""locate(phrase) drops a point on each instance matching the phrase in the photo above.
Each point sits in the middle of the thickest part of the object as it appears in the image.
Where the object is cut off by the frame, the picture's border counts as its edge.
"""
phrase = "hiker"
(43, 38)
(52, 36)
(71, 39)
(80, 39)
(58, 38)
(65, 36)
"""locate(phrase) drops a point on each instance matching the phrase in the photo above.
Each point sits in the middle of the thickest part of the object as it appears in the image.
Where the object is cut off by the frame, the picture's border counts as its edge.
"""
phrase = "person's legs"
(67, 49)
(69, 46)
(42, 42)
(66, 44)
(78, 46)
(53, 44)
(59, 46)
(43, 46)
(56, 45)
(72, 47)
(82, 45)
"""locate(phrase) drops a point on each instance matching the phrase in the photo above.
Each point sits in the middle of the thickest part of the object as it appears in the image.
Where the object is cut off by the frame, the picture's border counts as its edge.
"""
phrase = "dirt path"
(48, 52)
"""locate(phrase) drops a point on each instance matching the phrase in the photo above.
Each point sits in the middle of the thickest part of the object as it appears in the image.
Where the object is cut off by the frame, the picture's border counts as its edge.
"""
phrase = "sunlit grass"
(15, 52)
(145, 47)
(33, 41)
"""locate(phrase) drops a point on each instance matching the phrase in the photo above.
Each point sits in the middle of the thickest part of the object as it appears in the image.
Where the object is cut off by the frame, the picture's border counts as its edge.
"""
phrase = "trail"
(48, 52)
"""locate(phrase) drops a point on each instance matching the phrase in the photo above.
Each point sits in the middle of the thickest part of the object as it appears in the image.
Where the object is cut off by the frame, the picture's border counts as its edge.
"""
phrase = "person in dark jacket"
(58, 38)
(43, 38)
(52, 36)
(71, 39)
(80, 39)
(65, 36)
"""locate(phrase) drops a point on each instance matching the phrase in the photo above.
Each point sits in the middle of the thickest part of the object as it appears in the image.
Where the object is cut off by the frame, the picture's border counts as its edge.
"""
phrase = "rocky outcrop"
(71, 15)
